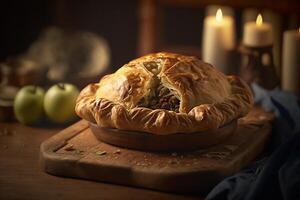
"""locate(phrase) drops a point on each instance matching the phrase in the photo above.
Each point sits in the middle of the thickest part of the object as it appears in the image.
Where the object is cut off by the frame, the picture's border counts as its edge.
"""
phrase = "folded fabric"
(276, 176)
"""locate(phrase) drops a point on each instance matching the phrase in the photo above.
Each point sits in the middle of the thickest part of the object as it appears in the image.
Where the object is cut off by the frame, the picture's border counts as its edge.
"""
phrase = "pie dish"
(165, 93)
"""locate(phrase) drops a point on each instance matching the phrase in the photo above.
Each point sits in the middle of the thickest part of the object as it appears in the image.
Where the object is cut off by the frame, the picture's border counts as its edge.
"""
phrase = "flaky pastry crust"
(208, 99)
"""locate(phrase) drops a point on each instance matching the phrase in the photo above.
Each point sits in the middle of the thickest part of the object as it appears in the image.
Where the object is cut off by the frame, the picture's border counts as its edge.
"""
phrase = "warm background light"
(291, 61)
(219, 15)
(259, 20)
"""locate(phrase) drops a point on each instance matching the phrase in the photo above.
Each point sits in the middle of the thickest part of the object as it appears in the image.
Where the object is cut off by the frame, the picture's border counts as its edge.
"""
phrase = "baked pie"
(165, 93)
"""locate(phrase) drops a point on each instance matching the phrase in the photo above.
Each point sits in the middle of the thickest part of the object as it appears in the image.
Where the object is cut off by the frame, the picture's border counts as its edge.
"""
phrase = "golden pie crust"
(165, 93)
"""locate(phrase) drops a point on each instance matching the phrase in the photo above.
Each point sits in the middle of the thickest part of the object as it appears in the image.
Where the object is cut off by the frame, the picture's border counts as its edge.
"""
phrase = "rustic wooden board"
(76, 152)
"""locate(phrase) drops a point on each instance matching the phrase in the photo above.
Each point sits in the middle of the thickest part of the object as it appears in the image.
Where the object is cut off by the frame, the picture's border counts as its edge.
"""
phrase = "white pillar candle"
(291, 61)
(257, 34)
(218, 40)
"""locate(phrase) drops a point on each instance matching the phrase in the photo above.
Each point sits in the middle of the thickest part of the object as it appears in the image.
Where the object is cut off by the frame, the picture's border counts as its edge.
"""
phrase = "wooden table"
(21, 176)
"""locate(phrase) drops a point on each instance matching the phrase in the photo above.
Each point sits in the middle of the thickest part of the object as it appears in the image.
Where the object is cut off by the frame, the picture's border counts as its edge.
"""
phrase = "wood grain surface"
(22, 177)
(76, 152)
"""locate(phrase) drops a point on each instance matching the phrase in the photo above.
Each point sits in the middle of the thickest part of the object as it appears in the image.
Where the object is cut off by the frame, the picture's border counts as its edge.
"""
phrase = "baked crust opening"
(160, 97)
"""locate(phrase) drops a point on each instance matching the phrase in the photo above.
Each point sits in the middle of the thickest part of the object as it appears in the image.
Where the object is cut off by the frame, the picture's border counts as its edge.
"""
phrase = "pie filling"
(166, 99)
(161, 98)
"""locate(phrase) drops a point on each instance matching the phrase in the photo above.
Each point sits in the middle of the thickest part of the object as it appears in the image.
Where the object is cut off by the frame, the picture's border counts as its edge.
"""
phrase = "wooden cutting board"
(76, 152)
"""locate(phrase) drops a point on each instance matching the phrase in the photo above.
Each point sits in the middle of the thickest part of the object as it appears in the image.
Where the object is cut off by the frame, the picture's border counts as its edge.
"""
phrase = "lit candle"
(218, 40)
(258, 34)
(211, 10)
(291, 61)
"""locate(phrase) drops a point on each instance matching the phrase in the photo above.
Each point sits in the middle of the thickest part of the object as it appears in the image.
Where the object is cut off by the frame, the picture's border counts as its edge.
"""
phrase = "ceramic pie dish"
(176, 142)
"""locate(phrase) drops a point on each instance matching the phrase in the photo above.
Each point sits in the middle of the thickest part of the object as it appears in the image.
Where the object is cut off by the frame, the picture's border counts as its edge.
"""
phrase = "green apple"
(59, 103)
(28, 104)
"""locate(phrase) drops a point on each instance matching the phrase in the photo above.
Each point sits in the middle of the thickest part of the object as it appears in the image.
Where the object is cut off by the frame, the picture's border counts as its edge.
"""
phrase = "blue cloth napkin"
(278, 175)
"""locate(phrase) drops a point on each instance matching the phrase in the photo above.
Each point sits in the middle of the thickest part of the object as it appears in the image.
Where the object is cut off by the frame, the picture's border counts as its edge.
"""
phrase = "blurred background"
(44, 42)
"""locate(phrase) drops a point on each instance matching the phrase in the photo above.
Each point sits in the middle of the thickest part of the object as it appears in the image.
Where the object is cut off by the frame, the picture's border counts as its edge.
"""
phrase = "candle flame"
(219, 15)
(259, 20)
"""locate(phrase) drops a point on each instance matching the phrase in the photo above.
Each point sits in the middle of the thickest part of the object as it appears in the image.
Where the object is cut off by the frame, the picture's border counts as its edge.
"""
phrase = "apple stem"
(34, 89)
(61, 86)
